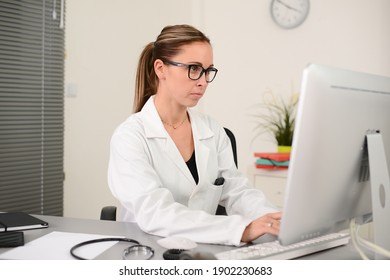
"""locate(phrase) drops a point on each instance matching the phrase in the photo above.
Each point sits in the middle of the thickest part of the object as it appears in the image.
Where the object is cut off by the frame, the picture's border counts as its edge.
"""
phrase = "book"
(272, 160)
(12, 221)
(270, 167)
(274, 156)
(11, 239)
(260, 166)
(272, 163)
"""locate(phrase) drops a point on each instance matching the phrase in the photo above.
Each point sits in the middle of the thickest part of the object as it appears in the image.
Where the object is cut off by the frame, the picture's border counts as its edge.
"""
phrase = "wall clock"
(289, 14)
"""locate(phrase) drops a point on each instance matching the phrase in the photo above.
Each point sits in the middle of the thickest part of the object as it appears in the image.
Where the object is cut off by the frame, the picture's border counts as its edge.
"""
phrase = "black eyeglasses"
(195, 71)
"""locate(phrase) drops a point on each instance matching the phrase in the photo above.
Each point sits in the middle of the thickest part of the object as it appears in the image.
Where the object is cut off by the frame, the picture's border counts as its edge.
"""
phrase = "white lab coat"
(149, 177)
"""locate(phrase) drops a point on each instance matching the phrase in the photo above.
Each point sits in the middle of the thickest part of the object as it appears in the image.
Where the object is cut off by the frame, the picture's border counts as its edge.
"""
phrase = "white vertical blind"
(31, 106)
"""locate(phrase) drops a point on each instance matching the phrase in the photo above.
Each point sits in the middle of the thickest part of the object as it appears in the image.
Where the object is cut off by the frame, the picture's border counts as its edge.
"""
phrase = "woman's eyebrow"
(199, 63)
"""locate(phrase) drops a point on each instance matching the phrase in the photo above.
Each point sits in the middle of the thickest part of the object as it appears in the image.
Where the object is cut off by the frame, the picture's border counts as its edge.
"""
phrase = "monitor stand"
(380, 191)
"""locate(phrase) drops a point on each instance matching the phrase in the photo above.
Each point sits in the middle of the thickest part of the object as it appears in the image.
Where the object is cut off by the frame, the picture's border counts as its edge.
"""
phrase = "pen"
(219, 181)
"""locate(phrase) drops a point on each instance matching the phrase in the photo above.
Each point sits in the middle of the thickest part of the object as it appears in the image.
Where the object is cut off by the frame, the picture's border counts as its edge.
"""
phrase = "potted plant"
(277, 117)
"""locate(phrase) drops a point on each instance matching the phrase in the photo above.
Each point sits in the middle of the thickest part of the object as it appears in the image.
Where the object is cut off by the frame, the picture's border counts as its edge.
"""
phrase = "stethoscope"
(136, 251)
(144, 252)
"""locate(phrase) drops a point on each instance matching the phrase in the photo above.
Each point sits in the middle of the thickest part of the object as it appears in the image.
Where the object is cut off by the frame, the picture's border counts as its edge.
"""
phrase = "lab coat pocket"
(205, 198)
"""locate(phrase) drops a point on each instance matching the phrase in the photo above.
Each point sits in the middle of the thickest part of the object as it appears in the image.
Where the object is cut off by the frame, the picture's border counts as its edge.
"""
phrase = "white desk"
(131, 230)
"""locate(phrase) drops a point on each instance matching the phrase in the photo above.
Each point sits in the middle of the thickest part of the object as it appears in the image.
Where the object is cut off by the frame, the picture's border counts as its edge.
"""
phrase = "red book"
(270, 167)
(274, 156)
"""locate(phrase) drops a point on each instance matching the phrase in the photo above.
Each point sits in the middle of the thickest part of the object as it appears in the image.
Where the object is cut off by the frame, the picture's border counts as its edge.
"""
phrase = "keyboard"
(275, 251)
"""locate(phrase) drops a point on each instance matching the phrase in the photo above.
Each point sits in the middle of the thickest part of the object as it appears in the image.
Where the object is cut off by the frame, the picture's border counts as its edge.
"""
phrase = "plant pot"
(284, 149)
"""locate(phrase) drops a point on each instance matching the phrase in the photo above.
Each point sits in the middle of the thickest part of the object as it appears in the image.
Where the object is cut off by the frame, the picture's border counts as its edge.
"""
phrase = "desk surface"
(131, 230)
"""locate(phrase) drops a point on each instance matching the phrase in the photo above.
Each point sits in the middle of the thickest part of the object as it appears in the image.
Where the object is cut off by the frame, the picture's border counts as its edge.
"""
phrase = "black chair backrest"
(233, 142)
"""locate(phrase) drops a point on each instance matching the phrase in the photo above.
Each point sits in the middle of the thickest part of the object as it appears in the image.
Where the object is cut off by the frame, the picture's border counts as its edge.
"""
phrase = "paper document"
(56, 246)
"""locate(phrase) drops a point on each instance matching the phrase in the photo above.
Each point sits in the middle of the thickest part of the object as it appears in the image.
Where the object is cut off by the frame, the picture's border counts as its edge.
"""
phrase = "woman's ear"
(159, 69)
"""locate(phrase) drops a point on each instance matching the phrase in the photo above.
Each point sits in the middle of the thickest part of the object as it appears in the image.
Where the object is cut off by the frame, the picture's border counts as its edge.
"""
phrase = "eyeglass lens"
(196, 71)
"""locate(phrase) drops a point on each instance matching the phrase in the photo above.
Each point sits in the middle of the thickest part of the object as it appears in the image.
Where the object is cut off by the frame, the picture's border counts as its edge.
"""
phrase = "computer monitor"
(329, 180)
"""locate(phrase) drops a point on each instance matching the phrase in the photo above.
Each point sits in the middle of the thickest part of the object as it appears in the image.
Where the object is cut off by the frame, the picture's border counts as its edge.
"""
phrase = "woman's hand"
(269, 223)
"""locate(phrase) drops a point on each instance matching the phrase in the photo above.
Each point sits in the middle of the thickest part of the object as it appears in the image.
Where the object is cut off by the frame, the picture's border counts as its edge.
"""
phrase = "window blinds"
(31, 106)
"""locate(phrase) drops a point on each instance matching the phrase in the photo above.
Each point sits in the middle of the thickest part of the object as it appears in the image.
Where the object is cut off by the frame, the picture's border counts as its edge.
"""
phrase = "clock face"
(289, 13)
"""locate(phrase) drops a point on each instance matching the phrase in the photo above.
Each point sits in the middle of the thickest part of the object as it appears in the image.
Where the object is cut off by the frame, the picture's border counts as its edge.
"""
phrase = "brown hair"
(168, 44)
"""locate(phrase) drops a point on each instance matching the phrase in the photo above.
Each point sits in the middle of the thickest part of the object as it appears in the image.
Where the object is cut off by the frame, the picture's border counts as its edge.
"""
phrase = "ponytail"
(146, 79)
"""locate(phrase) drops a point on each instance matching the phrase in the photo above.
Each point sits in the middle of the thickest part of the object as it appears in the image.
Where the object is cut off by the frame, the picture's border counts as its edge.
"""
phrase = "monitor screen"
(326, 186)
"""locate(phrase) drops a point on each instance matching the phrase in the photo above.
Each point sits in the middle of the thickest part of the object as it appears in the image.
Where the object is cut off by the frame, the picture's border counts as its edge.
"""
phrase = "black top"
(191, 163)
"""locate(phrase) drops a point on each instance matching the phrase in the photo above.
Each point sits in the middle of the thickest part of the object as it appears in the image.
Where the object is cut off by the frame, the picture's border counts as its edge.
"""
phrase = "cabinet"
(271, 182)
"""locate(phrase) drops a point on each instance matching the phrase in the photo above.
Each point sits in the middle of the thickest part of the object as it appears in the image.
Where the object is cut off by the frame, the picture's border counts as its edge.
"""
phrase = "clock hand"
(288, 6)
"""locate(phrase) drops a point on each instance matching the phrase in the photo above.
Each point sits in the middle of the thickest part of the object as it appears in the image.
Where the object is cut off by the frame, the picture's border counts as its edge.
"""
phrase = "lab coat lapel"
(202, 134)
(178, 160)
(155, 129)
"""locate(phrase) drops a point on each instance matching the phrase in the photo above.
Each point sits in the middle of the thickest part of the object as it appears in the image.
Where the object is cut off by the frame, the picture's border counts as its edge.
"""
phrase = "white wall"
(105, 37)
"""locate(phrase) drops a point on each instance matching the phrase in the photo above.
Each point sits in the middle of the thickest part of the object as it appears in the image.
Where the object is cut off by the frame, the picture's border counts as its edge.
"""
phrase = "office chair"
(234, 144)
(109, 212)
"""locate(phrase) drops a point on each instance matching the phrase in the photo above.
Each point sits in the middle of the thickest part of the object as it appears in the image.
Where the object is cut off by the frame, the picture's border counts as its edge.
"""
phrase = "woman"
(165, 157)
